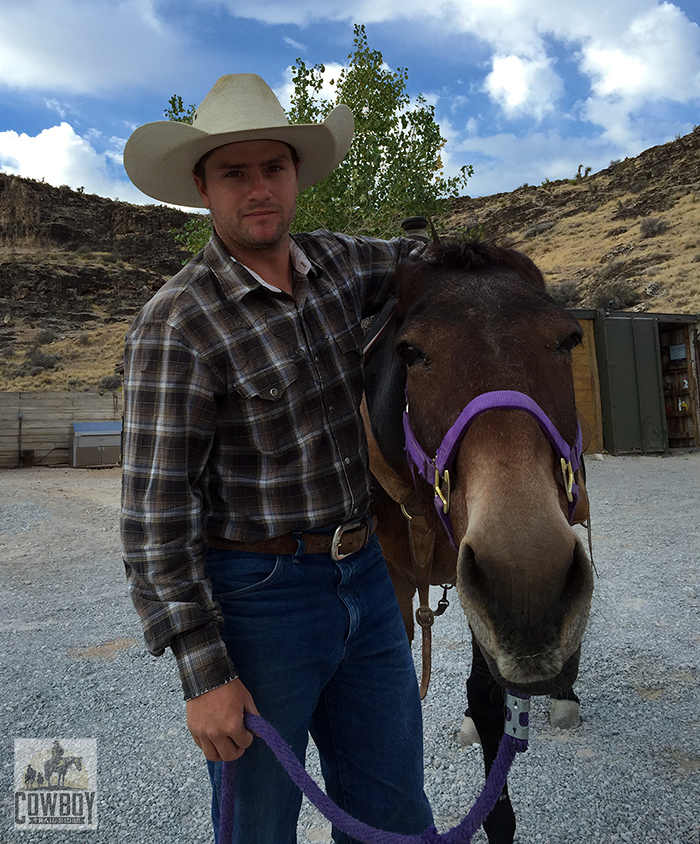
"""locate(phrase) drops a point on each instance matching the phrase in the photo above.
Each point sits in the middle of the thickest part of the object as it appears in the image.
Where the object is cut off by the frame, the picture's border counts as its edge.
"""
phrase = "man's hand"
(215, 720)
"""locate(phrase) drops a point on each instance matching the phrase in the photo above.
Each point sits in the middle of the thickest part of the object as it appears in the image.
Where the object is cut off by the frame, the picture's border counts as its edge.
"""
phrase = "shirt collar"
(223, 263)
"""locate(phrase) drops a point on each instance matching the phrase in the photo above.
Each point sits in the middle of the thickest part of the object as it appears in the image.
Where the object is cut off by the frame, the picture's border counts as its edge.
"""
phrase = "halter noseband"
(436, 471)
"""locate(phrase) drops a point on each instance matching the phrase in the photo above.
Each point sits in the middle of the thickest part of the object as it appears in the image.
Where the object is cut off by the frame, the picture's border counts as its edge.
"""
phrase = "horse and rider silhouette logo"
(55, 782)
(52, 774)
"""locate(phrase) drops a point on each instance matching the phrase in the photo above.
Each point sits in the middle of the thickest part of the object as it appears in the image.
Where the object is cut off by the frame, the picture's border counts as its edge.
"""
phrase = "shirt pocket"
(266, 417)
(270, 384)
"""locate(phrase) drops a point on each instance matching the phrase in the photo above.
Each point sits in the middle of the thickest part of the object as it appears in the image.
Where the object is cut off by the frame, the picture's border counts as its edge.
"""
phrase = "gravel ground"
(75, 667)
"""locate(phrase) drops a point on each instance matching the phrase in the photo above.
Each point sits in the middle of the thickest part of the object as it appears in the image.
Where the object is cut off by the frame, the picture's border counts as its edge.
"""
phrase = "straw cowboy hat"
(159, 157)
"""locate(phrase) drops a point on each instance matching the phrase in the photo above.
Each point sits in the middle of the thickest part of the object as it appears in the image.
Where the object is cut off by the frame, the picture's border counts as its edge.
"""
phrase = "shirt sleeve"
(169, 419)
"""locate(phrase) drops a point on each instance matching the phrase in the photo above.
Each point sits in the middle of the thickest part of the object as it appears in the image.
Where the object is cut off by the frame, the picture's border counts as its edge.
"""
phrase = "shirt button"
(331, 409)
(274, 392)
(355, 511)
(347, 461)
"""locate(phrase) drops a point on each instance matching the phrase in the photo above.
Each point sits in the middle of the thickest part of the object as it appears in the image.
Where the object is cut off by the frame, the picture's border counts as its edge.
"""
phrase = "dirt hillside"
(75, 268)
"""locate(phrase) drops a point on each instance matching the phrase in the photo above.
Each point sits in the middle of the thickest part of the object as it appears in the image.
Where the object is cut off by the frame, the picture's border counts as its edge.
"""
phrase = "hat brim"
(159, 157)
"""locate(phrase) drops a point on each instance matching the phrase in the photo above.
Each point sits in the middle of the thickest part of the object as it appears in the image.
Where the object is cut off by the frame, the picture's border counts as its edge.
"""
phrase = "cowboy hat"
(159, 157)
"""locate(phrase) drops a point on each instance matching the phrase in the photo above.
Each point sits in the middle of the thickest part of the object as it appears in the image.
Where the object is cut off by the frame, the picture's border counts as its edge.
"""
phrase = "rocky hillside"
(627, 237)
(75, 268)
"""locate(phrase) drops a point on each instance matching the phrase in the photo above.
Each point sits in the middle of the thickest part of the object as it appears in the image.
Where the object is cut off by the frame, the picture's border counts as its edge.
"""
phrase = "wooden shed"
(587, 381)
(648, 368)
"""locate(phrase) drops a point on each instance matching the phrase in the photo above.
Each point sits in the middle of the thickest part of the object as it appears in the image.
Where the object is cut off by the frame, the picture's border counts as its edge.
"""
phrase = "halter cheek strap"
(436, 471)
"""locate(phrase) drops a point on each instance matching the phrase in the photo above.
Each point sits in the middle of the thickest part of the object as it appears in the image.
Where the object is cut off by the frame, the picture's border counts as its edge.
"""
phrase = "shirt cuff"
(202, 660)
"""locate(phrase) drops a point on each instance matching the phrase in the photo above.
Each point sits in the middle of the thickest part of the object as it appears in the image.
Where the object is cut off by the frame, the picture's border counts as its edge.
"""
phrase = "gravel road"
(75, 667)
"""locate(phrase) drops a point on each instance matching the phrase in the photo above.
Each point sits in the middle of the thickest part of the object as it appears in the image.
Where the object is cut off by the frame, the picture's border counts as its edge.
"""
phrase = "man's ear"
(201, 189)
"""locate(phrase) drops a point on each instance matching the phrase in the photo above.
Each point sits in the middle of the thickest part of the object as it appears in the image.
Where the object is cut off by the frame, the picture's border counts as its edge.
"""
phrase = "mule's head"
(475, 318)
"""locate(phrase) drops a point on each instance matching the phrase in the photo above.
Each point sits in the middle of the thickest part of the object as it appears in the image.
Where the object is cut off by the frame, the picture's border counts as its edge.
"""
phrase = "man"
(245, 490)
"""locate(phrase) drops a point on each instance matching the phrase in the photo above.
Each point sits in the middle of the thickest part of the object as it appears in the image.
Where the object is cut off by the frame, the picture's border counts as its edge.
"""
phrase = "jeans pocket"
(234, 573)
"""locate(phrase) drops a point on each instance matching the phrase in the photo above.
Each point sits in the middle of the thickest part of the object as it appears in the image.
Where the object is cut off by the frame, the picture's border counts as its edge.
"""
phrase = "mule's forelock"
(483, 256)
(480, 260)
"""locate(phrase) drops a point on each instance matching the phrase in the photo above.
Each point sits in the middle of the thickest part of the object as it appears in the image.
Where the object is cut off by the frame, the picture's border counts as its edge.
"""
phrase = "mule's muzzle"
(528, 627)
(560, 682)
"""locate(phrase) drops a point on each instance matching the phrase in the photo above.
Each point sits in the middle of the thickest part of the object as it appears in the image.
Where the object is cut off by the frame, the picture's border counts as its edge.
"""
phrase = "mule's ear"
(410, 284)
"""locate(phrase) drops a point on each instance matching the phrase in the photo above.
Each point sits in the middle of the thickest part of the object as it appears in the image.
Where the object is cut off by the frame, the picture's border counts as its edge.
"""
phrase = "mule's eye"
(409, 354)
(570, 342)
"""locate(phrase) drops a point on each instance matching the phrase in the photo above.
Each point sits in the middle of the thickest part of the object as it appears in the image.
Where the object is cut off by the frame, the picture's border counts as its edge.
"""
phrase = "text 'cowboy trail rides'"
(55, 783)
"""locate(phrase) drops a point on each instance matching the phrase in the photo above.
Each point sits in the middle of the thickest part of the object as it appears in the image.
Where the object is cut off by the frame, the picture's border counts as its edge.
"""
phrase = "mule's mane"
(483, 256)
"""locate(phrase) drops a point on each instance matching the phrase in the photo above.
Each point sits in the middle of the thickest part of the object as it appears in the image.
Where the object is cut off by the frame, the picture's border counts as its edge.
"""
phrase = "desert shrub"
(652, 227)
(44, 336)
(109, 383)
(615, 295)
(565, 293)
(539, 228)
(613, 269)
(37, 360)
(8, 352)
(84, 338)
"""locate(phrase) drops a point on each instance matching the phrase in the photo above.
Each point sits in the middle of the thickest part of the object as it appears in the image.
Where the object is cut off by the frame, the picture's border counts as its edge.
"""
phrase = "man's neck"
(273, 265)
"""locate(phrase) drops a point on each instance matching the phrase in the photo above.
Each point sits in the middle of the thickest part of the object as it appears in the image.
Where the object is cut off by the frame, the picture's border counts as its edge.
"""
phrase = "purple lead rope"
(510, 744)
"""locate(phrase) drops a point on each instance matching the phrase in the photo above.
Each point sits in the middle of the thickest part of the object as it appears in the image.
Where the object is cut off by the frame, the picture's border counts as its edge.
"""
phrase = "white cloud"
(504, 161)
(86, 46)
(290, 42)
(629, 49)
(61, 157)
(524, 86)
(655, 57)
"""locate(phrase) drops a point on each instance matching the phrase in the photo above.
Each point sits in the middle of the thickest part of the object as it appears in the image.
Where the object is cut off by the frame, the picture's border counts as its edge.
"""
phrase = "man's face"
(250, 188)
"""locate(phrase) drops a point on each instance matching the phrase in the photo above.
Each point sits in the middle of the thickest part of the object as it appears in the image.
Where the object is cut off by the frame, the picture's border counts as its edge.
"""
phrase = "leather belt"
(345, 540)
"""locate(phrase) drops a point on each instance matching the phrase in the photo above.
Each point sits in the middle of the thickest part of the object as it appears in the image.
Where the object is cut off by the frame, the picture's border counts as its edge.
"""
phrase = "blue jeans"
(322, 648)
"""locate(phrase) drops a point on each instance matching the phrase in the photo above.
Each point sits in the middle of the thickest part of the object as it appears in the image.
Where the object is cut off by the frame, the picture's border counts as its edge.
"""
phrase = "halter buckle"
(567, 471)
(443, 496)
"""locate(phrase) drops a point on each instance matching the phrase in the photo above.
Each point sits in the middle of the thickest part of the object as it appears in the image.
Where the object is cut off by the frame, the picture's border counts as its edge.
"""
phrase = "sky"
(523, 90)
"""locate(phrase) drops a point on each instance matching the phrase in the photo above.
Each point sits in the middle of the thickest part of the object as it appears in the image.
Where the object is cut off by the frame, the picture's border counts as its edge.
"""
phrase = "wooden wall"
(47, 417)
(46, 423)
(587, 386)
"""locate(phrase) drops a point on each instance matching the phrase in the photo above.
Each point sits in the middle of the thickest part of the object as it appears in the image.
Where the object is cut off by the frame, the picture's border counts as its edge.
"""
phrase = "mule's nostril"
(471, 576)
(578, 581)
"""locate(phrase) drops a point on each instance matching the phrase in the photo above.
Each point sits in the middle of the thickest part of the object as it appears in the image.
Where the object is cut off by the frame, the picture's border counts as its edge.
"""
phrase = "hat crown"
(239, 102)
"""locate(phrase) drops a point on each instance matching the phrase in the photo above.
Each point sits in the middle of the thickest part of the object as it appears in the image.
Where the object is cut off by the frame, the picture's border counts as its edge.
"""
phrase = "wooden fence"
(35, 428)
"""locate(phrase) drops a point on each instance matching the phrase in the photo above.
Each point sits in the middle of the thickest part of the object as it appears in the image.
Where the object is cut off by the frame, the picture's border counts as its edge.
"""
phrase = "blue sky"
(524, 90)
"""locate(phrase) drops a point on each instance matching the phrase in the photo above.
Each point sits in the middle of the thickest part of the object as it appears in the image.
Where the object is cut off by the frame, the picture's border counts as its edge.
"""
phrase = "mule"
(473, 326)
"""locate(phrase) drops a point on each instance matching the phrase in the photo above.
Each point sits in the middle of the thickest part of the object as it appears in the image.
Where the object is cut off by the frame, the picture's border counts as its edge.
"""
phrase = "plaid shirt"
(241, 421)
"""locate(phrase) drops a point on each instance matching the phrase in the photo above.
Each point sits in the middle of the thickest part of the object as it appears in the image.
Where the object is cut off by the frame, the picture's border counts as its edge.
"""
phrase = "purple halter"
(436, 471)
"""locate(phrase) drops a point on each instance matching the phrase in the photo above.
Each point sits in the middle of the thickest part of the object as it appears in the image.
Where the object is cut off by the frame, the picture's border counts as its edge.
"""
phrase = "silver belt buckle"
(338, 538)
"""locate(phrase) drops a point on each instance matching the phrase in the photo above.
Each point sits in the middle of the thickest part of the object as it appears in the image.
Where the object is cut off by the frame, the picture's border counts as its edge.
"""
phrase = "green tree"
(394, 167)
(176, 110)
(195, 233)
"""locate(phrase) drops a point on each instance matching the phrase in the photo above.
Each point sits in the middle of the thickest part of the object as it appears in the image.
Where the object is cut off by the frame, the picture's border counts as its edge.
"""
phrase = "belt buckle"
(338, 538)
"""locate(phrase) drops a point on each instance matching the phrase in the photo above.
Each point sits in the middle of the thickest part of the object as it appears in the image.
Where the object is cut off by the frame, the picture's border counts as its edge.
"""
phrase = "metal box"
(94, 444)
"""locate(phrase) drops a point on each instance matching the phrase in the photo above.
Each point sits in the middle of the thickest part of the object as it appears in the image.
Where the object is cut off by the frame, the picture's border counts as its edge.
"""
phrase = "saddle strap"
(398, 489)
(421, 539)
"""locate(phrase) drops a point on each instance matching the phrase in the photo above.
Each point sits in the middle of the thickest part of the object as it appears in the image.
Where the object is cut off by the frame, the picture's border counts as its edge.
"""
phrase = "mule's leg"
(486, 700)
(564, 712)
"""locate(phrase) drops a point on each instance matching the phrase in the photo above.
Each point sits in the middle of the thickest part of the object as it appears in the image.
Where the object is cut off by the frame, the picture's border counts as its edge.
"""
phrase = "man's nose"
(260, 185)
